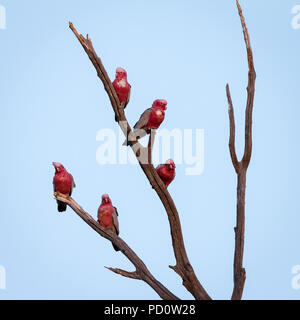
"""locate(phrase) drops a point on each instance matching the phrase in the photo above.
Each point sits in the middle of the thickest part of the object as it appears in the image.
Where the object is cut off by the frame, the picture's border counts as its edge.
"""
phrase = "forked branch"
(241, 166)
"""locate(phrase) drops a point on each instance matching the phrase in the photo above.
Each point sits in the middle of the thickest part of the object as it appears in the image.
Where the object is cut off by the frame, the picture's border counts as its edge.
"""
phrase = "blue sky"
(53, 105)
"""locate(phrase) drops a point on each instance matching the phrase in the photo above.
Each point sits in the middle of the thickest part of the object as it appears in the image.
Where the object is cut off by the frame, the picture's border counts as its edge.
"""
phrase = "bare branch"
(183, 266)
(251, 92)
(102, 74)
(142, 272)
(239, 270)
(127, 274)
(241, 167)
(150, 145)
(232, 131)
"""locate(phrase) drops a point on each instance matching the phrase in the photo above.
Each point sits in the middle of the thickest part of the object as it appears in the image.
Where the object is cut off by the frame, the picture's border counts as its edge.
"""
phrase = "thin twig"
(127, 274)
(232, 131)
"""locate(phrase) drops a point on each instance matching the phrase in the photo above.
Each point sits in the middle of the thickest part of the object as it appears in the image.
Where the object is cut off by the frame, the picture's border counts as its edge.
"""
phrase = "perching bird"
(166, 172)
(108, 216)
(150, 119)
(122, 87)
(63, 182)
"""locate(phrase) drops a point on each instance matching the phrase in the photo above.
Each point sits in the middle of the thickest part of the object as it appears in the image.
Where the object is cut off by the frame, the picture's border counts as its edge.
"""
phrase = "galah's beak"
(56, 166)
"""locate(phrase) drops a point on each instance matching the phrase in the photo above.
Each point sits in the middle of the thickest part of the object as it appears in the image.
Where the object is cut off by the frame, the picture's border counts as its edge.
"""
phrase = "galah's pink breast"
(122, 88)
(157, 116)
(63, 183)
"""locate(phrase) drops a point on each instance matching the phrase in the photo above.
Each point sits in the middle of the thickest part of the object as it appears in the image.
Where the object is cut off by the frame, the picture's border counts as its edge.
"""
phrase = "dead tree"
(183, 266)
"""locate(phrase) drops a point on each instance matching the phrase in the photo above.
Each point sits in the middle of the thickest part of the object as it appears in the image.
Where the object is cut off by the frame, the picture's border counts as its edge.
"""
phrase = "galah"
(150, 119)
(166, 172)
(63, 182)
(108, 216)
(122, 87)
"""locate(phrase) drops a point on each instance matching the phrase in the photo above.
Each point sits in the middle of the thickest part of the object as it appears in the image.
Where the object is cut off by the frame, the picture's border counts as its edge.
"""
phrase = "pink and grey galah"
(166, 172)
(63, 182)
(108, 216)
(150, 119)
(122, 87)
